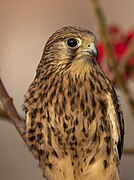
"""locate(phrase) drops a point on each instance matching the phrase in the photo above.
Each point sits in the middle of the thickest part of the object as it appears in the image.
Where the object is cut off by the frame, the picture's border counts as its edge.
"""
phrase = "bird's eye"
(72, 42)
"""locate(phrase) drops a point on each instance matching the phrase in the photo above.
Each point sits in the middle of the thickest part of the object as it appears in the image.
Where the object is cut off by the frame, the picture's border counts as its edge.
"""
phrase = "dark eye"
(72, 42)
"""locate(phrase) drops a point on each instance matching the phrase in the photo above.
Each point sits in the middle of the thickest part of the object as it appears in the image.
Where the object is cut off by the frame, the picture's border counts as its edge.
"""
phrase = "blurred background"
(24, 29)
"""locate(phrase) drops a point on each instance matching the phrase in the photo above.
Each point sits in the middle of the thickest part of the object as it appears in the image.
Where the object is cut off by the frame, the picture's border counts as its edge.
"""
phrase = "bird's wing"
(116, 120)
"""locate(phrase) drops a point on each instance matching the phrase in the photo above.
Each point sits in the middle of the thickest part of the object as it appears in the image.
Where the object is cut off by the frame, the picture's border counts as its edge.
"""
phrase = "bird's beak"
(92, 51)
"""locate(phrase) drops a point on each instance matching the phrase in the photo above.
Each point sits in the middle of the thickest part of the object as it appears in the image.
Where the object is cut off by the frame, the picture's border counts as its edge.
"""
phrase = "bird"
(74, 120)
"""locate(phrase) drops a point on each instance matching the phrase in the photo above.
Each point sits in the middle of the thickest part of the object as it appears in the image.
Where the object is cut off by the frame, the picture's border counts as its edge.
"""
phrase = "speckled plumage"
(74, 124)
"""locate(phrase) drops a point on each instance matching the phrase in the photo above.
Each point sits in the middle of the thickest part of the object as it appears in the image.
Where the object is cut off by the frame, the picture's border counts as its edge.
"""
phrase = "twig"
(127, 55)
(128, 151)
(5, 117)
(3, 114)
(111, 61)
(12, 112)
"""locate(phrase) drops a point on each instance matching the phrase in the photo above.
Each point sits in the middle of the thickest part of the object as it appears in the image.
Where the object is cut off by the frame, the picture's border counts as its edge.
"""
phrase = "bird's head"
(68, 46)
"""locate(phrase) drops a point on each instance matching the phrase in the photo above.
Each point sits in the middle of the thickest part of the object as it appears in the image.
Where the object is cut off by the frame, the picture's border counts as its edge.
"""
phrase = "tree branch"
(127, 55)
(5, 117)
(3, 114)
(11, 112)
(128, 151)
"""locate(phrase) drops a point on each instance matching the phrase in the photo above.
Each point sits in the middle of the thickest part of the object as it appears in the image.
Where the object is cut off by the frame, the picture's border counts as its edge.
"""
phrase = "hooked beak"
(92, 51)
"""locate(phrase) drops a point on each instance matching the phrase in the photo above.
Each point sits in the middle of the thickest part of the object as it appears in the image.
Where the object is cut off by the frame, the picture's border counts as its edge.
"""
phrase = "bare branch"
(3, 114)
(127, 55)
(5, 117)
(128, 151)
(12, 112)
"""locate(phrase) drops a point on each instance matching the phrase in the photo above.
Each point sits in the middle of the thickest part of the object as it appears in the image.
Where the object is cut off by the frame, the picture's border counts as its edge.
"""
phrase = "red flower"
(120, 48)
(114, 30)
(129, 39)
(100, 52)
(130, 36)
(120, 43)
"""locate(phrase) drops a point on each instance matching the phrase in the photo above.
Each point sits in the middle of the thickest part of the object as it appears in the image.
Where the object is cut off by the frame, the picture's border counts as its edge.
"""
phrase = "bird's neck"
(82, 66)
(78, 68)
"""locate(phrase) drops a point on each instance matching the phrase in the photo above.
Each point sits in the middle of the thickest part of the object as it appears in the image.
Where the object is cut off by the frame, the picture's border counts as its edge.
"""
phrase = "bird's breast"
(72, 110)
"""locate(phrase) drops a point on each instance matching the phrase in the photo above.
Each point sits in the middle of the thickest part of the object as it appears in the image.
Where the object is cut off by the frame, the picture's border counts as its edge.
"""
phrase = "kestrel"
(74, 123)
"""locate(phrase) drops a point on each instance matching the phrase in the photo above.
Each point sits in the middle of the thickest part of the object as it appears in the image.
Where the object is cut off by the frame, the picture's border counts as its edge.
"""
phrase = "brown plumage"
(74, 123)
